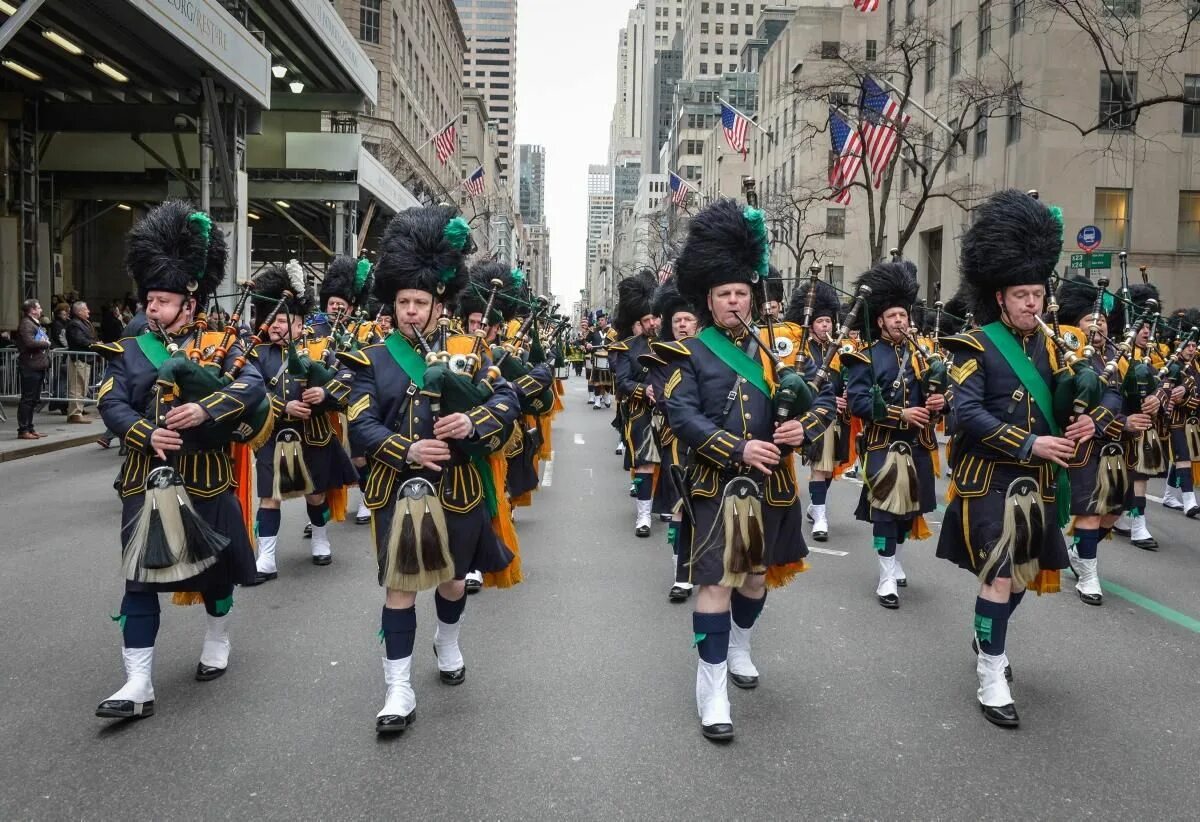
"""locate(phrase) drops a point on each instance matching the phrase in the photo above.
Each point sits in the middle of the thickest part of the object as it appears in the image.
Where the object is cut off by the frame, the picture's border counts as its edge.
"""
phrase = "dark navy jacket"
(283, 387)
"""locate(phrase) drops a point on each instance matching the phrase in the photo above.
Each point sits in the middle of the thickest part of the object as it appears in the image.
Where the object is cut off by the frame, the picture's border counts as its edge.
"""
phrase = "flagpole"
(449, 123)
(915, 105)
(749, 119)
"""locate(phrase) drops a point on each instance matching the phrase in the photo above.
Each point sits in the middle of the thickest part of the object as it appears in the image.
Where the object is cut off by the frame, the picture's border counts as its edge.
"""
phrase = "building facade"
(490, 65)
(531, 183)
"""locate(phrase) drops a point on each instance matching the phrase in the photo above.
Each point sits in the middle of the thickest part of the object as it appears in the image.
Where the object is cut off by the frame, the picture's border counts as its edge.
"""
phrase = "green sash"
(1032, 379)
(154, 349)
(748, 368)
(407, 358)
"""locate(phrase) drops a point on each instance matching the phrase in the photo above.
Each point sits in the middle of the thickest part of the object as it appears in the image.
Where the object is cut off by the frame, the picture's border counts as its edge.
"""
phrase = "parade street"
(579, 699)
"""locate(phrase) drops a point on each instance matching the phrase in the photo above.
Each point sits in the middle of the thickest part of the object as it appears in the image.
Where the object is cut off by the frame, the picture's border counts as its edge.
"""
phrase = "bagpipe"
(1077, 387)
(516, 357)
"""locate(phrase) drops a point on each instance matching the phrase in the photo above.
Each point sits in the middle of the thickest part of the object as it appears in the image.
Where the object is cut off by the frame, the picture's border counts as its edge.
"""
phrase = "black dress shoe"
(473, 586)
(1146, 544)
(1090, 599)
(393, 723)
(719, 731)
(1005, 716)
(308, 531)
(679, 594)
(1124, 532)
(456, 677)
(125, 709)
(207, 673)
(820, 536)
(669, 517)
(642, 531)
(890, 601)
(260, 578)
(363, 520)
(1192, 513)
(324, 559)
(746, 683)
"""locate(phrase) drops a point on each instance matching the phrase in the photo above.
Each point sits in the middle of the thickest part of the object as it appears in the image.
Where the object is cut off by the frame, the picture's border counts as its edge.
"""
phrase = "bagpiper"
(1010, 448)
(1180, 492)
(742, 527)
(427, 429)
(635, 393)
(177, 397)
(308, 388)
(596, 344)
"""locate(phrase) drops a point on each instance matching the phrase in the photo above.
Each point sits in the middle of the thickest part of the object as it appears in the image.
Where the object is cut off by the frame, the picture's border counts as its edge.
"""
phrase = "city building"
(535, 257)
(490, 65)
(600, 213)
(531, 183)
(697, 113)
(662, 51)
(713, 36)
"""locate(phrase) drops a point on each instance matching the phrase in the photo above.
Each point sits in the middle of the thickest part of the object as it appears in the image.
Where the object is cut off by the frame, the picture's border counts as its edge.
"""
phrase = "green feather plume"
(757, 220)
(204, 224)
(456, 232)
(361, 274)
(518, 279)
(1057, 213)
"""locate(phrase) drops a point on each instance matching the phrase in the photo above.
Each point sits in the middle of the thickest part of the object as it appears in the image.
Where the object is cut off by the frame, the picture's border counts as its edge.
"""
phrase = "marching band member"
(1180, 491)
(432, 507)
(181, 524)
(742, 525)
(888, 388)
(635, 394)
(1001, 521)
(595, 344)
(832, 447)
(308, 387)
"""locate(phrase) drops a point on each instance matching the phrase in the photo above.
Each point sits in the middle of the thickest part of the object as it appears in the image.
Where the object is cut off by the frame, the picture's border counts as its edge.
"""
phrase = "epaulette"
(650, 359)
(108, 349)
(619, 345)
(668, 350)
(968, 339)
(352, 358)
(862, 355)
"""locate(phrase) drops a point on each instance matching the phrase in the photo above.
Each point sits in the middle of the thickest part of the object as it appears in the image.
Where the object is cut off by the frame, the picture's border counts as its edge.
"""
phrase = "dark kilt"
(841, 446)
(702, 547)
(635, 429)
(224, 514)
(971, 526)
(926, 488)
(329, 466)
(1083, 481)
(522, 475)
(666, 492)
(473, 544)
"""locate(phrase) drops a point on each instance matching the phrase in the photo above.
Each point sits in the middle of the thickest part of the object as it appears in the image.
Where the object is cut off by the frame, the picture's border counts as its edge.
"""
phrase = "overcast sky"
(566, 84)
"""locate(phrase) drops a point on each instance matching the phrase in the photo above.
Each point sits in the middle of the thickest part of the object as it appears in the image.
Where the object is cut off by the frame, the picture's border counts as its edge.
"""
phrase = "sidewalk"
(60, 433)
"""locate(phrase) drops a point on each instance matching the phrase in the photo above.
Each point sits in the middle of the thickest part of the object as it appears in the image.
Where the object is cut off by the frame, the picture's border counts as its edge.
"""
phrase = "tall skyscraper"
(531, 183)
(662, 53)
(490, 64)
(714, 33)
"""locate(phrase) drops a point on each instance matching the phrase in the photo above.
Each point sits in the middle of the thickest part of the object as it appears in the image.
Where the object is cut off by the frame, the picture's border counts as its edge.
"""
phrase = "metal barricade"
(72, 376)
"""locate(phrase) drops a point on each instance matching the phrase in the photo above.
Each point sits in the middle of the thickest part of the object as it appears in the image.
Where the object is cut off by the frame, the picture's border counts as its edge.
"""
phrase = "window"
(981, 132)
(837, 275)
(1018, 16)
(1012, 128)
(733, 67)
(749, 9)
(841, 99)
(369, 20)
(704, 68)
(829, 50)
(910, 10)
(955, 48)
(733, 29)
(891, 20)
(718, 28)
(704, 28)
(720, 8)
(704, 48)
(985, 28)
(835, 222)
(1122, 8)
(1189, 221)
(1116, 92)
(1191, 109)
(872, 53)
(930, 67)
(719, 48)
(1112, 216)
(704, 8)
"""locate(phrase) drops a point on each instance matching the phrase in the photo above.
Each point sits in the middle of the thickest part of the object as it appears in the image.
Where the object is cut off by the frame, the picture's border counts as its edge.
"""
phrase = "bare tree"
(790, 226)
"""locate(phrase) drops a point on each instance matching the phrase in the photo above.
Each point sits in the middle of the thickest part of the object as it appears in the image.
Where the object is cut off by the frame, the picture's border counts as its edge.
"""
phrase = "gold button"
(745, 398)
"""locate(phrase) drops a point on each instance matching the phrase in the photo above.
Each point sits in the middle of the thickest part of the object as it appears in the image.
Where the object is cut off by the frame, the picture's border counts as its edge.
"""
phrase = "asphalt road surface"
(579, 700)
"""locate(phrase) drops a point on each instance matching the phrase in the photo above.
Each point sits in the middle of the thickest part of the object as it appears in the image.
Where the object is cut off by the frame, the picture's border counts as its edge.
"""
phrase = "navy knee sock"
(1087, 540)
(364, 474)
(449, 611)
(744, 610)
(1138, 508)
(1172, 477)
(712, 636)
(139, 619)
(645, 486)
(318, 515)
(266, 522)
(817, 490)
(399, 629)
(1184, 480)
(885, 538)
(218, 601)
(1014, 600)
(991, 625)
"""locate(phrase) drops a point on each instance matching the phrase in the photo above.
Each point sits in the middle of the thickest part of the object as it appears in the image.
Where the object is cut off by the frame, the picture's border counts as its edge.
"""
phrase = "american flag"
(881, 116)
(474, 184)
(446, 142)
(848, 146)
(666, 272)
(866, 5)
(679, 189)
(737, 128)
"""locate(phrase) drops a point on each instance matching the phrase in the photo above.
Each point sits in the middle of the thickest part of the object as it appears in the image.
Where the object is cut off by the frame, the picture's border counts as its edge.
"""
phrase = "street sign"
(1102, 261)
(1088, 238)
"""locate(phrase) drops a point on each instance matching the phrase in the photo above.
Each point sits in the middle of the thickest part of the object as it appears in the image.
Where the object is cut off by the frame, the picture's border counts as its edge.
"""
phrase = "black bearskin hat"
(954, 314)
(893, 285)
(423, 248)
(514, 298)
(1076, 297)
(1186, 319)
(1015, 240)
(176, 248)
(920, 316)
(475, 296)
(1121, 314)
(635, 297)
(667, 303)
(825, 303)
(726, 243)
(347, 278)
(288, 282)
(773, 285)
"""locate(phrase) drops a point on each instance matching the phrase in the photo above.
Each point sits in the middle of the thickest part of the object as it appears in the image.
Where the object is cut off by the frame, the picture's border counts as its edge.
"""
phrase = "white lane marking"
(549, 476)
(1153, 498)
(579, 439)
(829, 551)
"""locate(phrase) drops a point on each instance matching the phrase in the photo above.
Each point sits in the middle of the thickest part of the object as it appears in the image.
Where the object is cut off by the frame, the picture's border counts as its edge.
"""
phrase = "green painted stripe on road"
(1156, 608)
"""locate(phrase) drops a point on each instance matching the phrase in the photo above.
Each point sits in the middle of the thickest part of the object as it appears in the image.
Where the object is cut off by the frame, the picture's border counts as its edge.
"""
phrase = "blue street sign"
(1088, 238)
